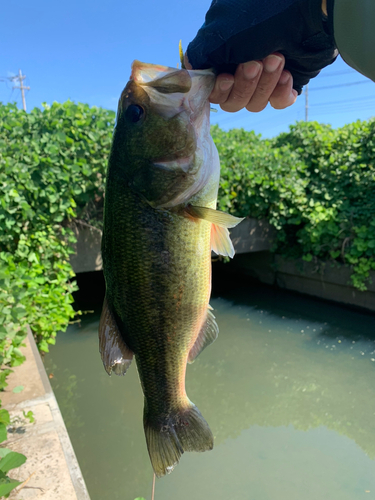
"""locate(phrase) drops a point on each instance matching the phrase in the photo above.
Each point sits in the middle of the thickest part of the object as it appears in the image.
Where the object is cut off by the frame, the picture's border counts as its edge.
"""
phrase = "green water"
(288, 390)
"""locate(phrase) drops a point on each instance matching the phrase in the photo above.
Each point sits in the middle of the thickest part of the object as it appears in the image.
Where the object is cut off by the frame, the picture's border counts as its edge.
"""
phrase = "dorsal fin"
(207, 335)
(116, 356)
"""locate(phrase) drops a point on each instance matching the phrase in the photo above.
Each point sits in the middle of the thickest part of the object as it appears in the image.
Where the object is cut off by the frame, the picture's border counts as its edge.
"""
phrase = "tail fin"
(181, 431)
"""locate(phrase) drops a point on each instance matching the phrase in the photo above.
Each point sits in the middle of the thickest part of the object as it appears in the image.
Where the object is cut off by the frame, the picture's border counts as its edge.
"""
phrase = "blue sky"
(82, 50)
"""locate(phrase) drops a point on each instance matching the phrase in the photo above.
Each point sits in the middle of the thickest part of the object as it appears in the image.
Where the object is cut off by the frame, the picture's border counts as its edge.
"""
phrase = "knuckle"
(256, 107)
(216, 98)
(229, 108)
(264, 91)
(242, 93)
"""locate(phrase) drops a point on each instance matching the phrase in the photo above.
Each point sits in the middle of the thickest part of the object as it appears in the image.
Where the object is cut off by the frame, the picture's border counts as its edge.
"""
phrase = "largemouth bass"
(160, 225)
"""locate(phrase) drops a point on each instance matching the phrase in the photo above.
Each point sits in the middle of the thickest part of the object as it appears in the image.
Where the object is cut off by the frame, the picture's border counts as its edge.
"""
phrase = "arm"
(292, 31)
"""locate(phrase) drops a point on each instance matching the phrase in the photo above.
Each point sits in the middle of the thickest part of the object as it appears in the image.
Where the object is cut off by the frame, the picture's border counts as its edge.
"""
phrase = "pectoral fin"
(207, 335)
(116, 356)
(215, 216)
(221, 243)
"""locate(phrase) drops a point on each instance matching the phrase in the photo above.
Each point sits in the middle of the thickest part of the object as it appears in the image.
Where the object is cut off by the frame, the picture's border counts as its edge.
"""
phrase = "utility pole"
(307, 103)
(21, 78)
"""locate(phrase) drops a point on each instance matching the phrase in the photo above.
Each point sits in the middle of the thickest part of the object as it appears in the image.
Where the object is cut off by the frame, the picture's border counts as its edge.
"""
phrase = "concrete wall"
(251, 235)
(327, 281)
(88, 256)
(252, 240)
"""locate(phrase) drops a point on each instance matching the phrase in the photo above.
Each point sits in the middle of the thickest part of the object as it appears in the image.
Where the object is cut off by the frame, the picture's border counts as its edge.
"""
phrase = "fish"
(160, 225)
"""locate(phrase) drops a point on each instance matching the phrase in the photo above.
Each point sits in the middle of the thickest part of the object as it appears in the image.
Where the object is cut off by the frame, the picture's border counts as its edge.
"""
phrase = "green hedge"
(314, 184)
(339, 222)
(51, 172)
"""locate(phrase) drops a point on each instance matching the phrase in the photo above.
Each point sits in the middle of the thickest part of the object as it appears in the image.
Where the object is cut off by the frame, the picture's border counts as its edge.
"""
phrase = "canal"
(287, 389)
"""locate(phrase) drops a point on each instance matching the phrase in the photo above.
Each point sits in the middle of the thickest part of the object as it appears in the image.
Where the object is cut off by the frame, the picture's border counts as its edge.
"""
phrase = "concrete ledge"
(51, 460)
(252, 240)
(327, 281)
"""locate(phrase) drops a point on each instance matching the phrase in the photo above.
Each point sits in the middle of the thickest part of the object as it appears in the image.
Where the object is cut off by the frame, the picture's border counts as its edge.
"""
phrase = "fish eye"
(134, 113)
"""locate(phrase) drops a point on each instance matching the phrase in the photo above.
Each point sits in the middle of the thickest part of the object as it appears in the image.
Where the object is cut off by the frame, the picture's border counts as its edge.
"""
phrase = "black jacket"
(236, 31)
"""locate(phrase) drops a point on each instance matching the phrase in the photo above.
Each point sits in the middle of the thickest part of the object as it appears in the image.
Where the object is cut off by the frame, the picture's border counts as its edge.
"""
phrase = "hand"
(254, 84)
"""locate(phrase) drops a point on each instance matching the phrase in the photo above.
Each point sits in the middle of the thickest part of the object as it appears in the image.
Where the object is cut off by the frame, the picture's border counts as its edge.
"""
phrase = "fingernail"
(284, 78)
(225, 85)
(251, 69)
(271, 63)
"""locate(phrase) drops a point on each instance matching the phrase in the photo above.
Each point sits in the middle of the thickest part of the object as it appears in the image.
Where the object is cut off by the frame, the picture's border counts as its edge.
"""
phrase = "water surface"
(288, 390)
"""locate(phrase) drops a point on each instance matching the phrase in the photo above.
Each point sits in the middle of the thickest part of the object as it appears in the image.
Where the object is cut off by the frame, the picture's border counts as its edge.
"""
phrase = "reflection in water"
(66, 385)
(288, 390)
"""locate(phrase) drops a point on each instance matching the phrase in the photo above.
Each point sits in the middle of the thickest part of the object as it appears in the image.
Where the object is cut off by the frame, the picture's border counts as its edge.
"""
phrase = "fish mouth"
(173, 91)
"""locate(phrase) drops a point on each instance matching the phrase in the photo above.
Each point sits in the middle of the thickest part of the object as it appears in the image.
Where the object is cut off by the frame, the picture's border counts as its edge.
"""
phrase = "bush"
(316, 185)
(52, 164)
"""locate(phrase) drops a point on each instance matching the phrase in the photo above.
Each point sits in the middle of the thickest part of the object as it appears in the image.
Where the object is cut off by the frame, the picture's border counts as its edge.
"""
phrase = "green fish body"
(160, 225)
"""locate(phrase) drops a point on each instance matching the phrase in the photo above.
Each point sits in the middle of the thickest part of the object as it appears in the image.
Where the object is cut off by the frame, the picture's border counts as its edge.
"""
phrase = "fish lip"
(170, 104)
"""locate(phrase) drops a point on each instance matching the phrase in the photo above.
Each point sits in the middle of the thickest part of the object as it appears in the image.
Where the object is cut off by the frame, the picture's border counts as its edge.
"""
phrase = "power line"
(337, 73)
(346, 101)
(342, 85)
(343, 109)
(232, 119)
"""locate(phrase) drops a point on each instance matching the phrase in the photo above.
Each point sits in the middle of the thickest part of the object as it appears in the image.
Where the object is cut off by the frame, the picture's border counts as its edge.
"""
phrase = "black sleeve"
(236, 31)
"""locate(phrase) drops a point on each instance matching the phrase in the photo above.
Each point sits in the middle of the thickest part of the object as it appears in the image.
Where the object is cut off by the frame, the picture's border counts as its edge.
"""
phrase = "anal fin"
(116, 355)
(207, 335)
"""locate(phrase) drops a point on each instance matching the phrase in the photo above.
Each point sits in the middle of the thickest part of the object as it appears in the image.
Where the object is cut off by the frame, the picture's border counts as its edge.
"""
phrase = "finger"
(245, 83)
(284, 95)
(273, 66)
(222, 88)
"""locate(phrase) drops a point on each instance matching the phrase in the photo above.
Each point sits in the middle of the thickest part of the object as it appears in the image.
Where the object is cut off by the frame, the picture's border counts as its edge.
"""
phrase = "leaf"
(11, 461)
(29, 415)
(4, 417)
(3, 432)
(308, 257)
(18, 389)
(6, 488)
(4, 452)
(61, 136)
